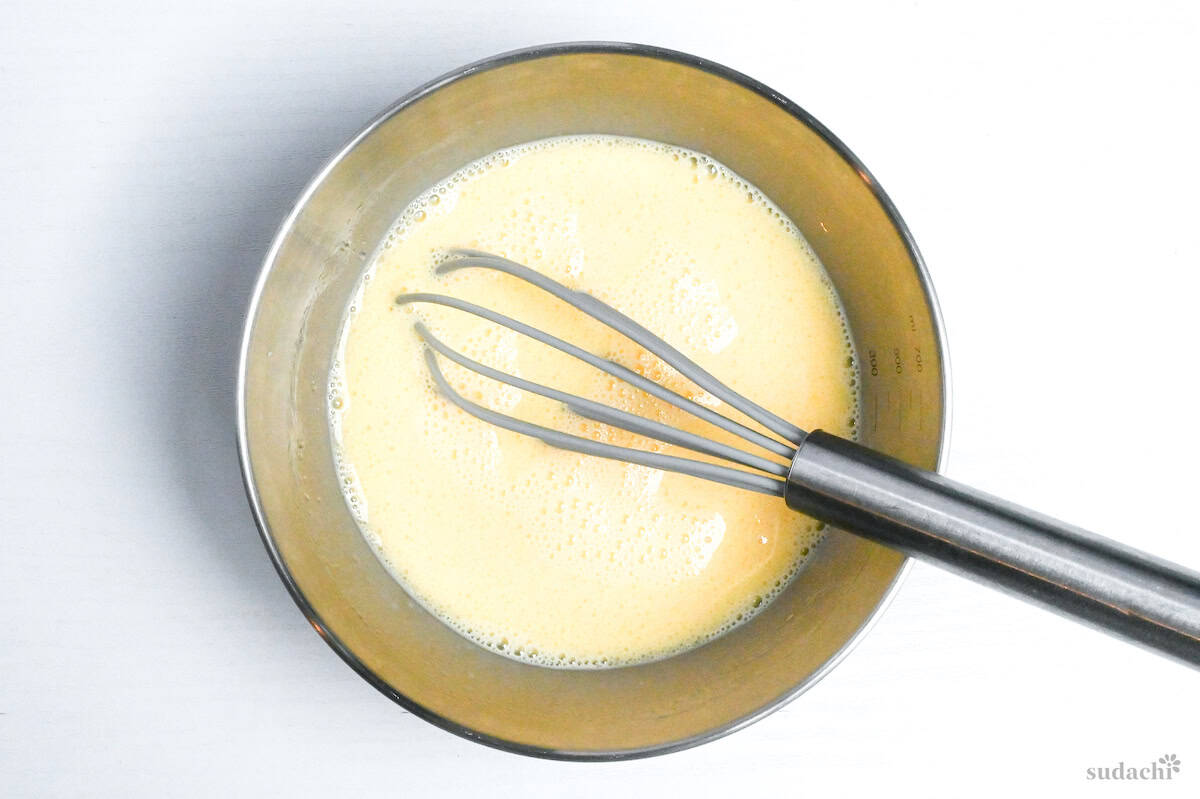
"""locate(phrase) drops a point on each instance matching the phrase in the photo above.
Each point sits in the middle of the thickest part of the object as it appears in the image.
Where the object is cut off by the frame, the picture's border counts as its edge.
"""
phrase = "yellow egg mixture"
(545, 555)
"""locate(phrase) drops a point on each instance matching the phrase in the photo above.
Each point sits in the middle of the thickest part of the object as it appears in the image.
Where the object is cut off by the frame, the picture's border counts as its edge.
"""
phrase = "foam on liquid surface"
(549, 556)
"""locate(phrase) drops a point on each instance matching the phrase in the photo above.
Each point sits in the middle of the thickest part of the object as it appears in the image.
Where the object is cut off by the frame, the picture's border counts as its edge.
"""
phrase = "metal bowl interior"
(291, 334)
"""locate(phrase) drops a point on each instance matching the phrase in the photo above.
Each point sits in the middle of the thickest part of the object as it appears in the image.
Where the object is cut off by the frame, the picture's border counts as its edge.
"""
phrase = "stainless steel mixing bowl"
(291, 333)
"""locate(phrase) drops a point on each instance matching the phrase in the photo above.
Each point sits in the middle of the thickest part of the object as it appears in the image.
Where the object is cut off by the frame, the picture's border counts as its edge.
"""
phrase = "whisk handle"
(1093, 579)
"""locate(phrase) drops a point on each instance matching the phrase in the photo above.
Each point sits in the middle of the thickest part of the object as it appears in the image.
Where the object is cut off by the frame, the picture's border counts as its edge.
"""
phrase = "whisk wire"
(609, 415)
(611, 317)
(556, 438)
(609, 367)
(768, 483)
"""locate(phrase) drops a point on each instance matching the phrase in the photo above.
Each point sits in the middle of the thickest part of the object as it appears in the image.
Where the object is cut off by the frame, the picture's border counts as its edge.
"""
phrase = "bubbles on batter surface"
(625, 549)
(337, 401)
(515, 645)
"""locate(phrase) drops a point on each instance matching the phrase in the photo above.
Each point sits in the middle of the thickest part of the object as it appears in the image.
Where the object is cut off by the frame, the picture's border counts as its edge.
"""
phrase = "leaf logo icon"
(1170, 762)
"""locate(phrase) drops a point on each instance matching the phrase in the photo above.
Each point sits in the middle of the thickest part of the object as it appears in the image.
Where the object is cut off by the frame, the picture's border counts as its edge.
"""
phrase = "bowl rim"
(285, 228)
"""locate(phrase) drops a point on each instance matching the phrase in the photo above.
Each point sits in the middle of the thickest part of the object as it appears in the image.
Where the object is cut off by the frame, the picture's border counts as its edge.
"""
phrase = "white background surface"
(1043, 154)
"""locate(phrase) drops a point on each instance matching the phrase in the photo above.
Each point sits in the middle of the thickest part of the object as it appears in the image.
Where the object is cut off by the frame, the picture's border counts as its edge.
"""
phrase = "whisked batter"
(550, 556)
